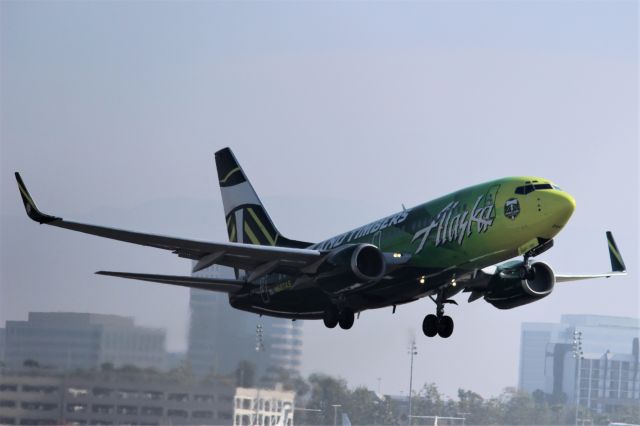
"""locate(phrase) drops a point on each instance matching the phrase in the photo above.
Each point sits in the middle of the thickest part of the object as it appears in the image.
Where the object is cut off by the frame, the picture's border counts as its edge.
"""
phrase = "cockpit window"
(530, 187)
(543, 186)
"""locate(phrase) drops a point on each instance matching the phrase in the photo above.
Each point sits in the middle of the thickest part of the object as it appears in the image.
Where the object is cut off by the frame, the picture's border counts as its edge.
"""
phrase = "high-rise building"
(589, 360)
(221, 336)
(69, 340)
(2, 344)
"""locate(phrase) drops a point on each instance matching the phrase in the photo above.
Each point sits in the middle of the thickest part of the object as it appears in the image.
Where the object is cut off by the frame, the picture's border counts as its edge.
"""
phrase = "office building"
(2, 345)
(81, 340)
(221, 336)
(37, 396)
(606, 350)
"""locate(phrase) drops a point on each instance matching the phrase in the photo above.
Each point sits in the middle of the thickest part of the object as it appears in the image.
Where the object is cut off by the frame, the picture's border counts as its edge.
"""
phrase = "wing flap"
(217, 284)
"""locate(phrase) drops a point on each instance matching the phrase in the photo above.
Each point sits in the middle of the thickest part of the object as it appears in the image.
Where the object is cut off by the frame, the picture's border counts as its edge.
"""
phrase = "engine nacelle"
(512, 286)
(351, 266)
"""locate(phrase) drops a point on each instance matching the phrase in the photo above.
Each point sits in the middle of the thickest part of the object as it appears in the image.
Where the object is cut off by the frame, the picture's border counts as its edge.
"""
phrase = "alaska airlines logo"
(451, 228)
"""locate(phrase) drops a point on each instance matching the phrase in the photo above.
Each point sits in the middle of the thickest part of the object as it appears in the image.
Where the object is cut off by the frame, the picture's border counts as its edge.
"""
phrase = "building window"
(102, 392)
(76, 408)
(129, 410)
(151, 411)
(202, 414)
(181, 397)
(204, 398)
(38, 406)
(8, 388)
(177, 413)
(39, 389)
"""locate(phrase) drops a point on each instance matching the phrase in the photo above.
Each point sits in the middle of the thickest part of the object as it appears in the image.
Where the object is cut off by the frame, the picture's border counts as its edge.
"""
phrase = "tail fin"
(247, 220)
(617, 263)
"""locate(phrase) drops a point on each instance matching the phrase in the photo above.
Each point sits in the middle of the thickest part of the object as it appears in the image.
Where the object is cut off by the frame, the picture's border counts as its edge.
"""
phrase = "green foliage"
(289, 381)
(512, 407)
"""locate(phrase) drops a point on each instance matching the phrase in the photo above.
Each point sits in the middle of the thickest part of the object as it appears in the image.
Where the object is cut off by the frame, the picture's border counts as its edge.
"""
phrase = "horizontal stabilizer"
(211, 284)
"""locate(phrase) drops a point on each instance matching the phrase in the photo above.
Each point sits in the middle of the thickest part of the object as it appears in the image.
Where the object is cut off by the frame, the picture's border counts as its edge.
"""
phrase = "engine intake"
(367, 262)
(351, 266)
(514, 286)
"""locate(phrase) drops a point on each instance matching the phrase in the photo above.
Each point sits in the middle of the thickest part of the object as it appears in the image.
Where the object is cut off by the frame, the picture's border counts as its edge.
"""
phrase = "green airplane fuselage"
(442, 239)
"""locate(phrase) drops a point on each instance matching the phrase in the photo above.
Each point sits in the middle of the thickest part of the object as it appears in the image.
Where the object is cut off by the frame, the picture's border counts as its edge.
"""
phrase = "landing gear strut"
(439, 324)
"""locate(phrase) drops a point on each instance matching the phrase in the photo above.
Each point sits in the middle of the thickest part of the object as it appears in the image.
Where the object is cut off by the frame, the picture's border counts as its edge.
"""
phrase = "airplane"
(479, 240)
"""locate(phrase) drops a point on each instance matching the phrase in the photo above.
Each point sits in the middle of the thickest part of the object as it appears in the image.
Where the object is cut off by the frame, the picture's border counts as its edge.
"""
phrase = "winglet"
(30, 206)
(617, 264)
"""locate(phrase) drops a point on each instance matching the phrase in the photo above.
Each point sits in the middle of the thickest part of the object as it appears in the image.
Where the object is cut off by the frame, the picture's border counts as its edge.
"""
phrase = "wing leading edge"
(238, 255)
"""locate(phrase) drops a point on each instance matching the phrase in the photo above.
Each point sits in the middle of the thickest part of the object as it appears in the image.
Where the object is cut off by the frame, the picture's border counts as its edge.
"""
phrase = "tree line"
(317, 395)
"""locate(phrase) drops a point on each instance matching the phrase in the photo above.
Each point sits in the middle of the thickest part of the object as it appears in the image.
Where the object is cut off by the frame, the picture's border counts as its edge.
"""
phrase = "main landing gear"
(344, 317)
(439, 324)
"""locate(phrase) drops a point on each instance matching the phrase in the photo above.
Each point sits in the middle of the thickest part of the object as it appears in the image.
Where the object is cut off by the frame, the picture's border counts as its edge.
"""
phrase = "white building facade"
(263, 407)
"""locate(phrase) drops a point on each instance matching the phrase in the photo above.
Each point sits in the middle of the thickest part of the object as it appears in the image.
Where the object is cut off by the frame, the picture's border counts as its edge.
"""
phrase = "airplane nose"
(565, 204)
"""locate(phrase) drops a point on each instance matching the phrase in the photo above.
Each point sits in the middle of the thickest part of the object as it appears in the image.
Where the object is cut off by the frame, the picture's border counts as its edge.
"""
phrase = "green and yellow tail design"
(247, 220)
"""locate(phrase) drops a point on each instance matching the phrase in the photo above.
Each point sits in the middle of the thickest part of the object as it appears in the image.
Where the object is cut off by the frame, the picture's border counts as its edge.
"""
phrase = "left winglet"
(30, 205)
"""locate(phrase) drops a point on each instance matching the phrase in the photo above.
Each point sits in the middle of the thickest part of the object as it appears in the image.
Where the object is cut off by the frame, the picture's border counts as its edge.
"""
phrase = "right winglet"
(617, 264)
(30, 205)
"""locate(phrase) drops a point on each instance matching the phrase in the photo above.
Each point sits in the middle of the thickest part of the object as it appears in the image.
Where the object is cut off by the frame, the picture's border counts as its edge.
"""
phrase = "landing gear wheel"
(330, 317)
(445, 326)
(346, 318)
(430, 325)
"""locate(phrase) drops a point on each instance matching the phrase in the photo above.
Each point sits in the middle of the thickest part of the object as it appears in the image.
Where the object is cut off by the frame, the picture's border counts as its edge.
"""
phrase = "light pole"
(335, 413)
(413, 350)
(577, 355)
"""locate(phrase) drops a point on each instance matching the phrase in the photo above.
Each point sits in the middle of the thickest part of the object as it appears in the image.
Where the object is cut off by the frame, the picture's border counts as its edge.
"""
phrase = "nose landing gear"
(439, 324)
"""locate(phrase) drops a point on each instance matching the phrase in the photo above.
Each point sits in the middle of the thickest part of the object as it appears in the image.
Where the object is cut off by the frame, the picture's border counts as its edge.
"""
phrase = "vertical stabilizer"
(247, 220)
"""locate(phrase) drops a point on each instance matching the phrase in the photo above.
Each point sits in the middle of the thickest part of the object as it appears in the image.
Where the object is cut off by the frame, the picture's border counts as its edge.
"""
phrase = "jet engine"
(350, 267)
(515, 285)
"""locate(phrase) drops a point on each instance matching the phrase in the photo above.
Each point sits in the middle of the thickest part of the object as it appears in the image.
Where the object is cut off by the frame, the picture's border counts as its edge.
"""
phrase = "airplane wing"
(617, 265)
(259, 259)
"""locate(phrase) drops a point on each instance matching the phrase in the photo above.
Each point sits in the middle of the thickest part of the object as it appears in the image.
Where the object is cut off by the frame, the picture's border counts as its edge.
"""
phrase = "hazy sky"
(339, 113)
